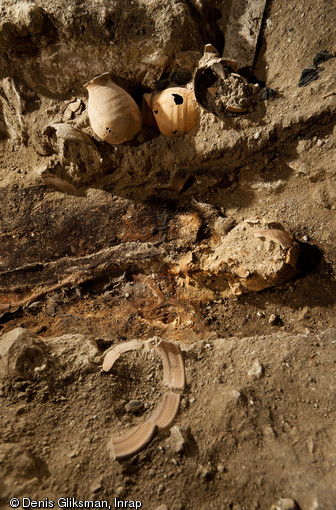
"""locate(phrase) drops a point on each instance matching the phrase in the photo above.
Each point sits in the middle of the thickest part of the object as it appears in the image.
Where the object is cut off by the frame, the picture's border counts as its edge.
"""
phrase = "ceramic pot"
(174, 110)
(214, 69)
(114, 115)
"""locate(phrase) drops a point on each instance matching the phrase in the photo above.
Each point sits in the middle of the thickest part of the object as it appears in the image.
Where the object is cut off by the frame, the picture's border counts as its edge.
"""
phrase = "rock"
(134, 406)
(221, 468)
(325, 195)
(247, 259)
(285, 504)
(300, 167)
(119, 491)
(75, 157)
(179, 439)
(96, 485)
(223, 225)
(22, 353)
(256, 370)
(231, 395)
(273, 319)
(206, 472)
(184, 228)
(75, 353)
(50, 308)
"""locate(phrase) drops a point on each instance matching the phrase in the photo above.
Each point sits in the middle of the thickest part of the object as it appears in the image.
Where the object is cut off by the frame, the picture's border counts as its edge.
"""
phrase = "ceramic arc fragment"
(132, 442)
(109, 360)
(166, 411)
(173, 366)
(132, 345)
(112, 355)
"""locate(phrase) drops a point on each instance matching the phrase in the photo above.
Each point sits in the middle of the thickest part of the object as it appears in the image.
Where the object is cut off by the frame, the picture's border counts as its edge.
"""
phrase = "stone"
(223, 225)
(73, 155)
(179, 439)
(206, 472)
(75, 353)
(134, 406)
(325, 195)
(21, 353)
(96, 485)
(285, 504)
(254, 255)
(273, 319)
(256, 370)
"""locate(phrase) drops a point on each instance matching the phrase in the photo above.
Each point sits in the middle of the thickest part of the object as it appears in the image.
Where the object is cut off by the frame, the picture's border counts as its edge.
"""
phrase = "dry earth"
(92, 241)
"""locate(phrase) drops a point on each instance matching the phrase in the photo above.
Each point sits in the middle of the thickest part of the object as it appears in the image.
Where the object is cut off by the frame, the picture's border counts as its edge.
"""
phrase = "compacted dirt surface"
(221, 240)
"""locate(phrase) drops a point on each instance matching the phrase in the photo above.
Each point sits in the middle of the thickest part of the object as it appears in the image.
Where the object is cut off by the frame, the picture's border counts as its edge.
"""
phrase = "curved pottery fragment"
(166, 411)
(61, 184)
(112, 355)
(132, 442)
(109, 360)
(68, 132)
(129, 346)
(174, 110)
(173, 366)
(114, 115)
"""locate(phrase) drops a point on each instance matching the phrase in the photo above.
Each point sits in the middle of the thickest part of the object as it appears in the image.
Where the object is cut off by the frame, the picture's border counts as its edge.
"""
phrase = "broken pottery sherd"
(114, 115)
(166, 411)
(68, 132)
(112, 355)
(53, 180)
(133, 441)
(109, 360)
(173, 366)
(174, 110)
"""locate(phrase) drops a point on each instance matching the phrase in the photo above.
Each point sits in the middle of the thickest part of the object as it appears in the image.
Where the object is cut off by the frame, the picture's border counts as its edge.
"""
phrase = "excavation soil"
(97, 263)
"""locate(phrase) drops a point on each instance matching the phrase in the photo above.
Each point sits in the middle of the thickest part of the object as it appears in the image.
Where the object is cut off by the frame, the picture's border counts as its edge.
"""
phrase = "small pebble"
(284, 504)
(119, 491)
(134, 406)
(178, 440)
(96, 486)
(20, 410)
(220, 468)
(273, 319)
(256, 370)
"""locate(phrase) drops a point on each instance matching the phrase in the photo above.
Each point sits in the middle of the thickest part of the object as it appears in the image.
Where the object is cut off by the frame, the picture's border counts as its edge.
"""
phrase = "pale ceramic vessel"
(114, 115)
(174, 110)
